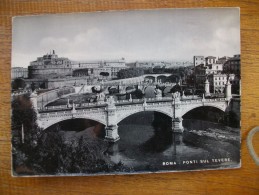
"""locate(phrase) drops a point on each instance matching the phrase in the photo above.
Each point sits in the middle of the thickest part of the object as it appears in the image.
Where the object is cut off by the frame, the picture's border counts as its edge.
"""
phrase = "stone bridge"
(111, 112)
(156, 78)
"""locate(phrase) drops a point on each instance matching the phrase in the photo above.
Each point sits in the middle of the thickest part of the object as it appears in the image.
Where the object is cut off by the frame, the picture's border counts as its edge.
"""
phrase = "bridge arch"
(135, 112)
(162, 78)
(150, 78)
(49, 123)
(207, 109)
(200, 106)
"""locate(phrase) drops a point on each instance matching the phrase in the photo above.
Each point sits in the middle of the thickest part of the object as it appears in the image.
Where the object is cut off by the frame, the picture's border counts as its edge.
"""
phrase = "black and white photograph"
(126, 92)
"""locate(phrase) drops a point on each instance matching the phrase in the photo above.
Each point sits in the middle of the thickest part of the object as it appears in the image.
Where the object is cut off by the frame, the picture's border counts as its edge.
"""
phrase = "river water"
(145, 146)
(148, 144)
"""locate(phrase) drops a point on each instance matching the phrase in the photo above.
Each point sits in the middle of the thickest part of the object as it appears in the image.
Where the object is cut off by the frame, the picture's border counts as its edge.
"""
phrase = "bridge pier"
(111, 133)
(177, 125)
(155, 79)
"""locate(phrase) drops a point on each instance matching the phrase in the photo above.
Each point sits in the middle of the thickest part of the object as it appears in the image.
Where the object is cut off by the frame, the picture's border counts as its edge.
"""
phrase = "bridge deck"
(186, 100)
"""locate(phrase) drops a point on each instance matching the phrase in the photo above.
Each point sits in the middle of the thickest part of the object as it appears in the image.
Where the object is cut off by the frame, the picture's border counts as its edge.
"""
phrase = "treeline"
(130, 73)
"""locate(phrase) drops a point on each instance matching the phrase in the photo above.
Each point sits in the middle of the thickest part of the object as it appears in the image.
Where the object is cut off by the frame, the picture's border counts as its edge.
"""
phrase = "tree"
(190, 80)
(18, 83)
(24, 116)
(48, 152)
(138, 94)
(130, 73)
(172, 79)
(148, 70)
(176, 88)
(159, 70)
(33, 86)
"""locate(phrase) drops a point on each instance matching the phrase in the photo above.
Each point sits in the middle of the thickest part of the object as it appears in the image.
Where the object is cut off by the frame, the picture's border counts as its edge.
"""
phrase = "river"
(147, 144)
(144, 147)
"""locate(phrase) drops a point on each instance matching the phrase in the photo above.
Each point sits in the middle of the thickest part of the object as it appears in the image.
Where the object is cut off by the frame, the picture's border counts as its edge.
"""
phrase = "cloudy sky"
(168, 34)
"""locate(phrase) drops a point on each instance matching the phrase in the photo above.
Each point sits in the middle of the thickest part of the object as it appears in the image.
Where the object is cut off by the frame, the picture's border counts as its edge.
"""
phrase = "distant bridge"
(136, 80)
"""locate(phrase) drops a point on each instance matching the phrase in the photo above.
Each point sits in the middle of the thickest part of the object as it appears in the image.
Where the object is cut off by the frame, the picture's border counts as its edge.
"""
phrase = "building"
(99, 69)
(219, 81)
(197, 60)
(202, 71)
(232, 65)
(214, 68)
(210, 60)
(218, 71)
(19, 72)
(113, 67)
(55, 83)
(49, 66)
(51, 71)
(222, 60)
(200, 75)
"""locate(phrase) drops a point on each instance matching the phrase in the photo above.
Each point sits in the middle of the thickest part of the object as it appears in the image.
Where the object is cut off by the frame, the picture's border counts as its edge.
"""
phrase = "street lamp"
(173, 132)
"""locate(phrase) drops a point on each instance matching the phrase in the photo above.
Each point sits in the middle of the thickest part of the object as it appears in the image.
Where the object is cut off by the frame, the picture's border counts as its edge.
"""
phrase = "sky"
(143, 35)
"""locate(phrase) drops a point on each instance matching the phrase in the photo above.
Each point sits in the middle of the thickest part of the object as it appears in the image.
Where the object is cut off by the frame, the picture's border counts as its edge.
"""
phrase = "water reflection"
(147, 140)
(149, 144)
(159, 142)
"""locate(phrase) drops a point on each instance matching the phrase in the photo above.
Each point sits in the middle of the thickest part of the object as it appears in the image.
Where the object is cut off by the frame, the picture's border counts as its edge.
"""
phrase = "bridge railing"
(126, 81)
(128, 101)
(20, 92)
(53, 107)
(204, 100)
(68, 112)
(70, 106)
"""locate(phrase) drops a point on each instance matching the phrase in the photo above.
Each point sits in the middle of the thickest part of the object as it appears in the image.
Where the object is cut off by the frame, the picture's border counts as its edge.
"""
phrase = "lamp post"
(42, 102)
(22, 130)
(173, 132)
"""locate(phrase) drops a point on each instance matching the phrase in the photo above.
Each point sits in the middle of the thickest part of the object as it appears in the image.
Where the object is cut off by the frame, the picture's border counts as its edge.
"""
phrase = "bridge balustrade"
(67, 113)
(21, 93)
(148, 100)
(151, 101)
